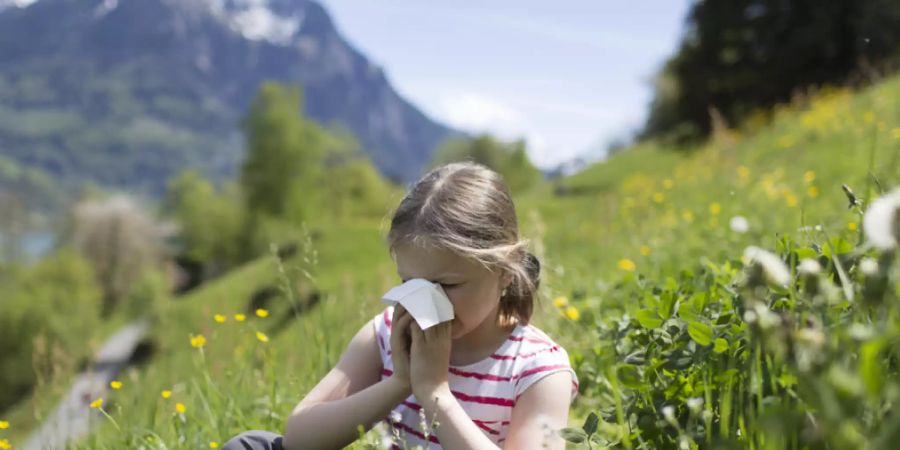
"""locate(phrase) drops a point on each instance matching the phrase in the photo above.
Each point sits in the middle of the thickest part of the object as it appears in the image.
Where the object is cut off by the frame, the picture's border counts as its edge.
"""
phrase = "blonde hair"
(467, 208)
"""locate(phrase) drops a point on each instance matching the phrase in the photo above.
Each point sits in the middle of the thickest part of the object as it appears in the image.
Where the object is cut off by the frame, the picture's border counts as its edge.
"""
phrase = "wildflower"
(868, 266)
(667, 183)
(4, 424)
(715, 208)
(773, 267)
(180, 408)
(791, 200)
(213, 444)
(645, 250)
(165, 393)
(260, 312)
(739, 224)
(261, 337)
(572, 313)
(743, 172)
(869, 117)
(812, 191)
(895, 133)
(882, 220)
(219, 318)
(695, 403)
(809, 176)
(852, 226)
(627, 264)
(687, 216)
(239, 317)
(560, 302)
(115, 384)
(668, 412)
(97, 403)
(659, 197)
(4, 444)
(198, 341)
(809, 266)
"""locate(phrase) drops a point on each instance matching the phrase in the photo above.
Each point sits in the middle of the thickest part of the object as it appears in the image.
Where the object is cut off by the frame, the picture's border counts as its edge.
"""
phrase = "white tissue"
(425, 301)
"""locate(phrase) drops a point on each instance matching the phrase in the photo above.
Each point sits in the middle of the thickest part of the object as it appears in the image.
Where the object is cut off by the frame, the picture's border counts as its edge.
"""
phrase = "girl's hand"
(400, 345)
(430, 359)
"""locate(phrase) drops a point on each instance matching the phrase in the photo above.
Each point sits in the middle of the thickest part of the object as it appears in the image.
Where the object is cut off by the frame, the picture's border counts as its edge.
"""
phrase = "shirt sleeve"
(549, 361)
(382, 323)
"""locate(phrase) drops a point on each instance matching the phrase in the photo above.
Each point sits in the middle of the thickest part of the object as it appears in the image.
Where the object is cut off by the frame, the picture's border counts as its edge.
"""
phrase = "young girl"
(485, 380)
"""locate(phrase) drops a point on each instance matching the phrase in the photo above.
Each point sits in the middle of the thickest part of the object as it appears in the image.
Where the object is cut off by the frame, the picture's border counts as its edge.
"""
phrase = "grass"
(649, 220)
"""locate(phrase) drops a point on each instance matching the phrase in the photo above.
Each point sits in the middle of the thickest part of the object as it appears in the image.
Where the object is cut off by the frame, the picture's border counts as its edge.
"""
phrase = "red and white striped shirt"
(487, 390)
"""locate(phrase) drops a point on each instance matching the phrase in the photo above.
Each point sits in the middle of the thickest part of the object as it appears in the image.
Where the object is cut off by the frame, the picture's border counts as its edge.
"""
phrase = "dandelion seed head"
(773, 267)
(868, 266)
(881, 222)
(739, 224)
(809, 266)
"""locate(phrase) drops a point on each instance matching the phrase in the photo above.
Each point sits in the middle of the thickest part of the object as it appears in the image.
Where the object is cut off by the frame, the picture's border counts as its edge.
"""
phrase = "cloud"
(477, 113)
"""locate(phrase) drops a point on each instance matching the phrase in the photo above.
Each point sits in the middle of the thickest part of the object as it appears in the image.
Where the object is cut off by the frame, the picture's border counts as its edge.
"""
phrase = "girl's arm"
(348, 396)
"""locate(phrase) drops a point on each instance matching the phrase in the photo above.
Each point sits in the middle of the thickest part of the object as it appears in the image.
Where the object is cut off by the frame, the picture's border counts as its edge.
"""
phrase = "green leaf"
(648, 319)
(700, 332)
(573, 435)
(590, 424)
(630, 376)
(721, 346)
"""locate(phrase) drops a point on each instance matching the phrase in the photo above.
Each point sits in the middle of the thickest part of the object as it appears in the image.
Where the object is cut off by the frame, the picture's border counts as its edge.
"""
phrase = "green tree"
(507, 158)
(209, 222)
(284, 153)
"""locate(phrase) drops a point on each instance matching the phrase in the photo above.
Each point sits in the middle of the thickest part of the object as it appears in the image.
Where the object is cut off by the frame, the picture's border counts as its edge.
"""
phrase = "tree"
(509, 159)
(744, 55)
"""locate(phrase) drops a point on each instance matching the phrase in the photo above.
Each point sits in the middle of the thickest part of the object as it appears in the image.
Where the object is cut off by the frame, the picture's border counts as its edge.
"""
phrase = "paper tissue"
(424, 300)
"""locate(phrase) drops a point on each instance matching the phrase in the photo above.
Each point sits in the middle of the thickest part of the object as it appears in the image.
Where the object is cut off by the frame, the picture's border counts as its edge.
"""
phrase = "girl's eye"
(448, 286)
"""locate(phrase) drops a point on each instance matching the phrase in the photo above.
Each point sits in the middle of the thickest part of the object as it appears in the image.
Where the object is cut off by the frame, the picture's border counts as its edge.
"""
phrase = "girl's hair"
(466, 208)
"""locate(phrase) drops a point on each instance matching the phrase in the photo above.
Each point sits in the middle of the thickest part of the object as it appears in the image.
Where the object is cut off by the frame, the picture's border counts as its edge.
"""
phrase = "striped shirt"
(487, 390)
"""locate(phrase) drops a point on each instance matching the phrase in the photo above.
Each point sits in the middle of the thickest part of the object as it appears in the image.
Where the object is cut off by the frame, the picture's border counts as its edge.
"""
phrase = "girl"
(485, 380)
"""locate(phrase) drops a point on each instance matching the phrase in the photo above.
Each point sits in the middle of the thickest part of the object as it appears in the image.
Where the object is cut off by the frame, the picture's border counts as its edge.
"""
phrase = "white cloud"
(476, 113)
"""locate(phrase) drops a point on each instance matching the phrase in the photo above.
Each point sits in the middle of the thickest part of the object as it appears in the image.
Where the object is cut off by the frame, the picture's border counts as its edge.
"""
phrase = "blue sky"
(566, 76)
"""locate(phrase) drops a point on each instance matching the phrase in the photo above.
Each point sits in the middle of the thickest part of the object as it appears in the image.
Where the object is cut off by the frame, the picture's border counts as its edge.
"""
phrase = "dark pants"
(254, 440)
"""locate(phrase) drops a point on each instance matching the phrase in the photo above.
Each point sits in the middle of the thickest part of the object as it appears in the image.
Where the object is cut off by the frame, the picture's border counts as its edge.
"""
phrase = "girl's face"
(474, 291)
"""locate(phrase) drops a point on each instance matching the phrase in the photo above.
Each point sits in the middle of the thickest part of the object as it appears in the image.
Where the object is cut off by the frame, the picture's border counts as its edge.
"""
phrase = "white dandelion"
(881, 222)
(739, 224)
(868, 266)
(773, 267)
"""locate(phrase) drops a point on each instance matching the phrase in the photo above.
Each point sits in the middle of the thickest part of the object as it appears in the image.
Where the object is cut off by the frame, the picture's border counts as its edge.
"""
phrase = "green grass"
(666, 212)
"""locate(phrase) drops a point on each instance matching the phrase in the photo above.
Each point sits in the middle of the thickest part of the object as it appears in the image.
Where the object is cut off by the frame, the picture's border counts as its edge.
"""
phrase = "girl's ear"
(505, 280)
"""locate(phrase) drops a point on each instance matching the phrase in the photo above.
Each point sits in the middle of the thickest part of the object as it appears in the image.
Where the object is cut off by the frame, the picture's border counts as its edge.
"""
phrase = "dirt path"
(73, 416)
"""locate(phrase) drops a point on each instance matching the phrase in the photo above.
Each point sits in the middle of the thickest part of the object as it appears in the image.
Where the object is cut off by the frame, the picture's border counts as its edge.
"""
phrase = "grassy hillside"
(616, 240)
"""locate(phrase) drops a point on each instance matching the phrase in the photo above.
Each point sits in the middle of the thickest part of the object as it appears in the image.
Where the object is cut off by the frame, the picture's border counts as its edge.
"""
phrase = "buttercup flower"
(627, 264)
(4, 424)
(165, 394)
(560, 302)
(97, 403)
(572, 313)
(261, 337)
(198, 341)
(262, 312)
(180, 408)
(239, 317)
(115, 384)
(219, 318)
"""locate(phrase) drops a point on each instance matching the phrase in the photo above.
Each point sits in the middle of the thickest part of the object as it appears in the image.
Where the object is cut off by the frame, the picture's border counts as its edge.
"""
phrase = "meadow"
(722, 296)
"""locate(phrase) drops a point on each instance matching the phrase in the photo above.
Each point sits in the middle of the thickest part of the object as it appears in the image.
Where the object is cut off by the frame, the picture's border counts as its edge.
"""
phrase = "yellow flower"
(560, 302)
(667, 183)
(786, 141)
(262, 312)
(626, 264)
(645, 250)
(572, 313)
(809, 176)
(239, 317)
(198, 341)
(180, 408)
(791, 200)
(97, 403)
(869, 117)
(4, 444)
(743, 172)
(658, 197)
(4, 424)
(115, 384)
(812, 191)
(895, 133)
(213, 444)
(219, 318)
(165, 393)
(687, 216)
(261, 337)
(715, 208)
(851, 226)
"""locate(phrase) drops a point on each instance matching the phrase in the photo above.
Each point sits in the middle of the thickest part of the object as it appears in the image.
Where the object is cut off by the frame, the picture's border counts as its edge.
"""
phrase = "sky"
(568, 77)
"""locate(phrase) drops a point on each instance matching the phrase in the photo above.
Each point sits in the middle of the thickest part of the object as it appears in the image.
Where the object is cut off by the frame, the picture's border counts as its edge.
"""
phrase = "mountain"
(128, 93)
